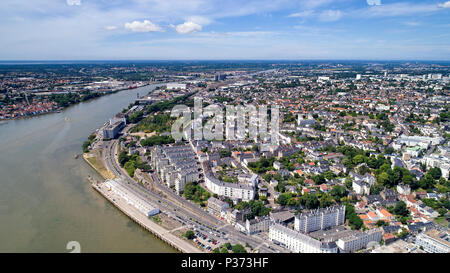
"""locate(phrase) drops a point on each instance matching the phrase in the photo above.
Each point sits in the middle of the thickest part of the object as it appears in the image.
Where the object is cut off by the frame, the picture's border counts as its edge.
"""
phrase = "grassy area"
(441, 221)
(96, 164)
(156, 219)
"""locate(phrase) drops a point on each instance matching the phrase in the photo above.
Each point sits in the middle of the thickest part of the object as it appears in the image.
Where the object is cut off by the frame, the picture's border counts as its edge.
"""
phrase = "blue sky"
(224, 29)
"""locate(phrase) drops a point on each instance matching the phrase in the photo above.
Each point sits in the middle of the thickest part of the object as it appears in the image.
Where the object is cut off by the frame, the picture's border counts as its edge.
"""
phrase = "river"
(45, 198)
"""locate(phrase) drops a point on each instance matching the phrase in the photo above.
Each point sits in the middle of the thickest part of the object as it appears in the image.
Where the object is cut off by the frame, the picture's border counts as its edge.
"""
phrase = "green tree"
(189, 235)
(130, 168)
(401, 209)
(337, 192)
(238, 249)
(348, 182)
(312, 202)
(380, 223)
(435, 173)
(353, 219)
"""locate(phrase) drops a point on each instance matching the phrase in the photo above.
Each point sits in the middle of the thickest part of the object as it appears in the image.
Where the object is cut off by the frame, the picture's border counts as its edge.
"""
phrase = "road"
(184, 211)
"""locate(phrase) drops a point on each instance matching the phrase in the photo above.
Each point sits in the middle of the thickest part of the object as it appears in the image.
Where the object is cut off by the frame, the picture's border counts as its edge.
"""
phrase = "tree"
(348, 182)
(389, 150)
(380, 223)
(312, 202)
(325, 201)
(319, 179)
(435, 173)
(401, 209)
(282, 199)
(216, 250)
(189, 235)
(130, 168)
(383, 179)
(86, 146)
(227, 245)
(358, 159)
(238, 249)
(337, 192)
(427, 182)
(353, 219)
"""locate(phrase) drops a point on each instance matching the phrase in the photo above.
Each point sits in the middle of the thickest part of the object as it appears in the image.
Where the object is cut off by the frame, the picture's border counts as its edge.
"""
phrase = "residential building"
(257, 225)
(320, 219)
(434, 241)
(359, 240)
(217, 207)
(298, 242)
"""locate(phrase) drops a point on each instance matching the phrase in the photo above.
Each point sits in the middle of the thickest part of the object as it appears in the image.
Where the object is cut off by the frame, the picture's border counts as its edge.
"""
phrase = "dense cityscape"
(362, 165)
(228, 136)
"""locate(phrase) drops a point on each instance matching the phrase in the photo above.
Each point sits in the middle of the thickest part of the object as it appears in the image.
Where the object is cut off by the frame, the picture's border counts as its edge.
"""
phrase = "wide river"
(45, 198)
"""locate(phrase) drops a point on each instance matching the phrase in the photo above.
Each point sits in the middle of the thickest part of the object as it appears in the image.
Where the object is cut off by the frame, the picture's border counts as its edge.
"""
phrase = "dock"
(142, 220)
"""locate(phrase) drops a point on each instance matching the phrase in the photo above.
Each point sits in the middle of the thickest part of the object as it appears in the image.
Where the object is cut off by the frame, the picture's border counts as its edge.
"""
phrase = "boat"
(76, 156)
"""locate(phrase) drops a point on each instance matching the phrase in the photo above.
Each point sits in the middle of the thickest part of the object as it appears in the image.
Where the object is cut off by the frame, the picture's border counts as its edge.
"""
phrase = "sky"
(224, 29)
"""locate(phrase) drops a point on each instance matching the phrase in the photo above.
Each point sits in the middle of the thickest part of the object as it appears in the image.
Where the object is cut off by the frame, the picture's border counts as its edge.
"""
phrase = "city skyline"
(214, 30)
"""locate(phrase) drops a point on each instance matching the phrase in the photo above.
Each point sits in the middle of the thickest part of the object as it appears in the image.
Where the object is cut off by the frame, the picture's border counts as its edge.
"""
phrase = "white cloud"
(188, 27)
(200, 20)
(396, 9)
(144, 26)
(412, 23)
(330, 15)
(374, 2)
(302, 14)
(110, 27)
(311, 4)
(74, 2)
(445, 5)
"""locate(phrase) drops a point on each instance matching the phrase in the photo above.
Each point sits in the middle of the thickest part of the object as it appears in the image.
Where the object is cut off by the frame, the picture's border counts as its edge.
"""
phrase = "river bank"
(60, 109)
(160, 232)
(146, 223)
(45, 201)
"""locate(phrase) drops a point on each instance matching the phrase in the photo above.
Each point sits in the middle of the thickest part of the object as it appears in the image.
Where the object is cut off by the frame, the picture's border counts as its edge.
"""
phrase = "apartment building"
(298, 242)
(176, 165)
(235, 191)
(434, 241)
(359, 240)
(320, 219)
(216, 207)
(257, 225)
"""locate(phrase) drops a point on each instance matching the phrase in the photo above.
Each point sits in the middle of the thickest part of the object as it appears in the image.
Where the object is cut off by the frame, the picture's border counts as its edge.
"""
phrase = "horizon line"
(219, 60)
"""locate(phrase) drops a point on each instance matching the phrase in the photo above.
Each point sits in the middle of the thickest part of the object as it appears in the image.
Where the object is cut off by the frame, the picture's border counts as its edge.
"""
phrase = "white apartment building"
(359, 240)
(172, 86)
(320, 219)
(131, 198)
(361, 187)
(421, 141)
(257, 225)
(298, 242)
(241, 191)
(439, 161)
(434, 241)
(231, 190)
(403, 189)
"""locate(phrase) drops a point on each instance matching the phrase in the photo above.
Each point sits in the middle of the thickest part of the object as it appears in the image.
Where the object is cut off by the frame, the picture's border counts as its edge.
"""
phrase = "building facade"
(298, 242)
(359, 240)
(434, 241)
(320, 219)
